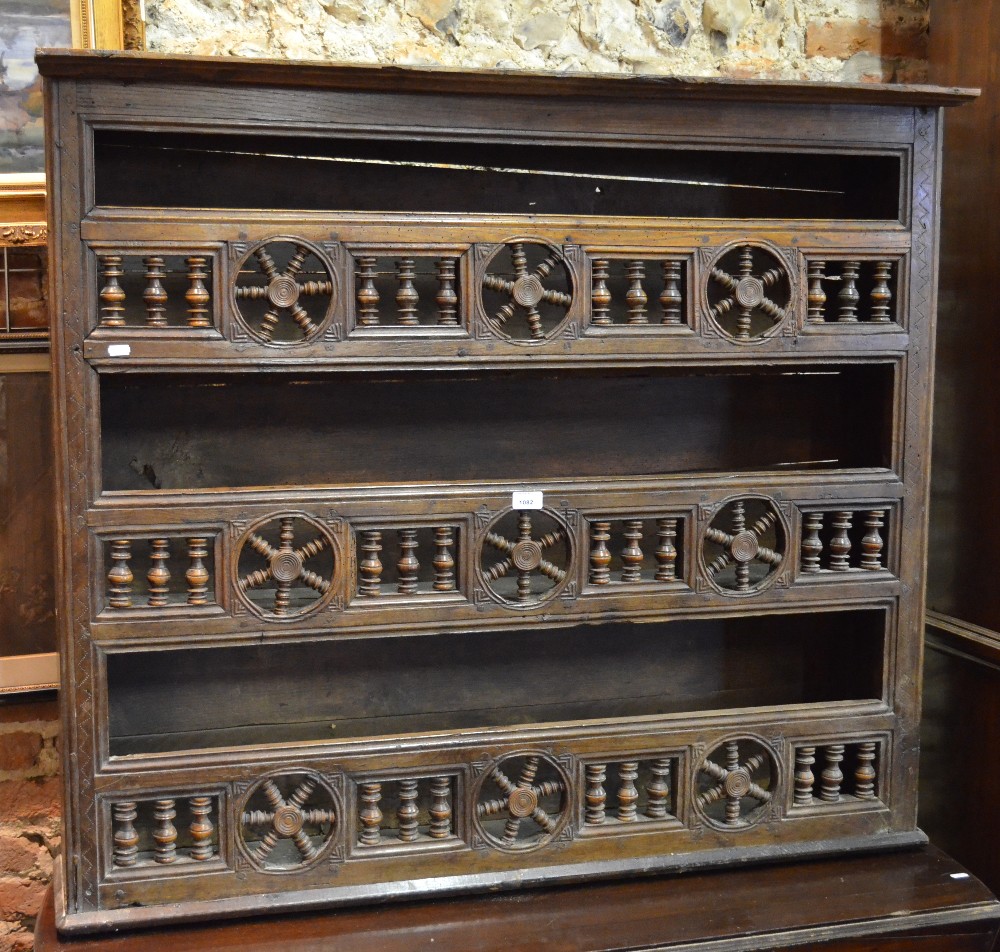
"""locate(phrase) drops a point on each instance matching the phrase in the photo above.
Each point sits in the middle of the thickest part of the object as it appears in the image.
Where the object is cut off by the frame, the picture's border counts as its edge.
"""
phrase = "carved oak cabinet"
(471, 480)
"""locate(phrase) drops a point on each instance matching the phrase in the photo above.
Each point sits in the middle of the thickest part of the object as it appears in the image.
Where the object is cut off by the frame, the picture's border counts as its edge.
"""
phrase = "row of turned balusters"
(848, 297)
(627, 794)
(158, 577)
(155, 297)
(837, 550)
(636, 298)
(407, 813)
(407, 298)
(831, 777)
(828, 787)
(370, 567)
(201, 831)
(632, 555)
(838, 547)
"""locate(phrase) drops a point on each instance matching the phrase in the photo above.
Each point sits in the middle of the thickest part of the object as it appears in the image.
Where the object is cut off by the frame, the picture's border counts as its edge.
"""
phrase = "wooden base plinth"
(918, 899)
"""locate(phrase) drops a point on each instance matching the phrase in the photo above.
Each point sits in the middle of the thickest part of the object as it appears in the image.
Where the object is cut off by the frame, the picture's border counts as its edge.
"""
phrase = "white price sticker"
(526, 499)
(119, 350)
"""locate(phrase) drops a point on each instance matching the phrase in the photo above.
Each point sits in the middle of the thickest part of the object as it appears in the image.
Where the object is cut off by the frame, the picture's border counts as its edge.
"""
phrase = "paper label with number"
(526, 499)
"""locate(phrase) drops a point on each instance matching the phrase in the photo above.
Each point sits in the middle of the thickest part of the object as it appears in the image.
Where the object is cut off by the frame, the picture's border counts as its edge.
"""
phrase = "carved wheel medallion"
(526, 292)
(748, 292)
(521, 802)
(525, 557)
(283, 292)
(287, 821)
(278, 578)
(734, 782)
(743, 546)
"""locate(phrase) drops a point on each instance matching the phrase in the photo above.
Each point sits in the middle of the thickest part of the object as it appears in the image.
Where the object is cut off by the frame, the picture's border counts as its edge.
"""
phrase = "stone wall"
(29, 815)
(842, 40)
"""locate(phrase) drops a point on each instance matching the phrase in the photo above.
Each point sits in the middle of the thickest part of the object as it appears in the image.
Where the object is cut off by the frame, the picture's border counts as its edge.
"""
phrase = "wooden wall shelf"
(470, 484)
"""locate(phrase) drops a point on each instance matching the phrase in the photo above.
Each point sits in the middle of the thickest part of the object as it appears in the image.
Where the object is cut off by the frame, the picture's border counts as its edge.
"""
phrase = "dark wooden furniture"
(962, 675)
(913, 900)
(961, 737)
(474, 481)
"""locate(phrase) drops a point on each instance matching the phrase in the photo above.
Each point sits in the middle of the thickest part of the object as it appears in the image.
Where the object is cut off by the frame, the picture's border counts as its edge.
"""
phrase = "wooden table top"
(917, 899)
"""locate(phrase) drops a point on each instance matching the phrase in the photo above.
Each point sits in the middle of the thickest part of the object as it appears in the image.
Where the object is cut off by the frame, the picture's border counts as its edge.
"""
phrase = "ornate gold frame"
(96, 24)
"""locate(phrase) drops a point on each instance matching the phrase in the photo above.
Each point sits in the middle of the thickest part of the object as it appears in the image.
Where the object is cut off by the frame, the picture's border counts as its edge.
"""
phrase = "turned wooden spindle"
(197, 295)
(444, 561)
(367, 296)
(197, 574)
(370, 814)
(848, 297)
(871, 543)
(158, 575)
(112, 296)
(407, 298)
(670, 297)
(440, 808)
(840, 542)
(864, 772)
(370, 566)
(126, 837)
(155, 294)
(164, 832)
(658, 790)
(286, 539)
(632, 553)
(447, 297)
(881, 294)
(407, 566)
(812, 546)
(408, 813)
(201, 828)
(666, 551)
(600, 554)
(816, 301)
(600, 296)
(831, 779)
(120, 575)
(524, 535)
(805, 757)
(628, 793)
(596, 796)
(636, 298)
(744, 316)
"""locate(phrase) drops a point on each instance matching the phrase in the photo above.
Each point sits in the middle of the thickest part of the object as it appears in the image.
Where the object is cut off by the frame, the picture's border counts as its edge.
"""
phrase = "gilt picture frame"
(24, 25)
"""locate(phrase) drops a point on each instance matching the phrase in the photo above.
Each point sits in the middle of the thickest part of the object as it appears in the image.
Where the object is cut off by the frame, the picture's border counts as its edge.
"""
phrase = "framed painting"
(27, 632)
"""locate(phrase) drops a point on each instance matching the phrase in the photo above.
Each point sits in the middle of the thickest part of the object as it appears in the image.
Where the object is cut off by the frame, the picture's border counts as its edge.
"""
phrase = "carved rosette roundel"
(526, 292)
(284, 292)
(288, 821)
(748, 291)
(285, 566)
(524, 557)
(744, 546)
(734, 784)
(522, 802)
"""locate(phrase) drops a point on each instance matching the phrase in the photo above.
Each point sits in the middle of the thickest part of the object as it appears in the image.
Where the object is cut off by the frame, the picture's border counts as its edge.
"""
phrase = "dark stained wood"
(965, 501)
(460, 681)
(900, 902)
(962, 671)
(218, 71)
(27, 553)
(388, 570)
(962, 739)
(173, 433)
